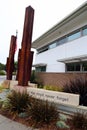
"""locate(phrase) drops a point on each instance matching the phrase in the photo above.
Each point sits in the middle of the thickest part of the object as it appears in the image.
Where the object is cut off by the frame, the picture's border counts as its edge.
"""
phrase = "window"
(79, 66)
(62, 40)
(84, 66)
(69, 67)
(74, 36)
(41, 69)
(85, 31)
(45, 48)
(53, 45)
(69, 37)
(73, 67)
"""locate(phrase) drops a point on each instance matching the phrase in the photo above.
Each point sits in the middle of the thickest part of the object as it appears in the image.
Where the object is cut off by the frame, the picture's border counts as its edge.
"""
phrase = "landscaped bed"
(32, 112)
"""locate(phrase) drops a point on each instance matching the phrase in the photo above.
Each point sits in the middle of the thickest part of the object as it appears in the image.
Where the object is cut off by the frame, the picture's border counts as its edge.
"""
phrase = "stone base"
(19, 88)
(12, 84)
(6, 84)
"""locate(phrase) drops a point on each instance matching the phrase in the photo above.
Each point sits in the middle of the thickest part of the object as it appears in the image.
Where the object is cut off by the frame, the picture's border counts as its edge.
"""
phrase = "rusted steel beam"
(18, 65)
(25, 56)
(30, 64)
(10, 59)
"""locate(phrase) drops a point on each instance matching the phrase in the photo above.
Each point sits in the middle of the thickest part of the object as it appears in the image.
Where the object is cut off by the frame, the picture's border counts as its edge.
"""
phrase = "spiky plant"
(43, 111)
(79, 120)
(78, 86)
(17, 102)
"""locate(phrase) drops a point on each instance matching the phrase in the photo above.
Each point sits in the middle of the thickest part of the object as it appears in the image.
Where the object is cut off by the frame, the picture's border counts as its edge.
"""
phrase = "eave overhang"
(81, 58)
(39, 64)
(39, 41)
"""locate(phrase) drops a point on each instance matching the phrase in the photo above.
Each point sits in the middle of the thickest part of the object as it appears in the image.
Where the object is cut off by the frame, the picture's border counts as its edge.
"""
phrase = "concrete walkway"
(7, 124)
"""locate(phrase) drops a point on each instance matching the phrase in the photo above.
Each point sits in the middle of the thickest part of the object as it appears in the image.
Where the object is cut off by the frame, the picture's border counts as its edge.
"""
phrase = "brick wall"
(58, 79)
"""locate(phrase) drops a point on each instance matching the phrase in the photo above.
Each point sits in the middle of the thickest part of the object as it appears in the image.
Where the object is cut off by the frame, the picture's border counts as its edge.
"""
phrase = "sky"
(47, 14)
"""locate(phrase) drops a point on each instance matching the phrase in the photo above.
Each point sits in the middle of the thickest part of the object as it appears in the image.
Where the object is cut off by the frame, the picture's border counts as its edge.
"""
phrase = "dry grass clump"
(43, 112)
(16, 102)
(79, 120)
(78, 86)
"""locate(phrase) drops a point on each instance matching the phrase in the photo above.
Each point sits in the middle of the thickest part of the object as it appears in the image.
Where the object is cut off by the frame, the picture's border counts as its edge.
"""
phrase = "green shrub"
(79, 121)
(1, 88)
(53, 88)
(39, 83)
(78, 86)
(34, 79)
(43, 112)
(62, 125)
(2, 72)
(17, 102)
(1, 103)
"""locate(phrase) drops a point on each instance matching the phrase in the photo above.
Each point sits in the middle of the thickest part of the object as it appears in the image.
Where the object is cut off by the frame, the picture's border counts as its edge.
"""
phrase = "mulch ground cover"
(28, 122)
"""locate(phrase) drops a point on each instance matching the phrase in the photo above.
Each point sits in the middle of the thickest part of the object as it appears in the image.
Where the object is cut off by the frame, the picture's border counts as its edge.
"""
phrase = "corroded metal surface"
(19, 53)
(10, 59)
(26, 56)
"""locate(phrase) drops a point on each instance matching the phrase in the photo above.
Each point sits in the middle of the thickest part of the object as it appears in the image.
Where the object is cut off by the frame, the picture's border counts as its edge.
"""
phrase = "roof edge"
(62, 22)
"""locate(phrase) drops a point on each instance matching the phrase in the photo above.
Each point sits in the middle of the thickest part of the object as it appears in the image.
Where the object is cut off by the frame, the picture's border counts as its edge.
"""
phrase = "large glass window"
(79, 66)
(74, 36)
(73, 67)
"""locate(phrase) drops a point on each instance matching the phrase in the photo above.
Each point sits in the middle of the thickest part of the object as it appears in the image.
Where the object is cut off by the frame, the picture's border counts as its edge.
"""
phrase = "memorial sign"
(53, 96)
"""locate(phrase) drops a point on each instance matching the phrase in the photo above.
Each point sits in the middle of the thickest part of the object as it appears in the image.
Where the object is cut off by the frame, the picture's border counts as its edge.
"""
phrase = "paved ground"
(7, 124)
(2, 78)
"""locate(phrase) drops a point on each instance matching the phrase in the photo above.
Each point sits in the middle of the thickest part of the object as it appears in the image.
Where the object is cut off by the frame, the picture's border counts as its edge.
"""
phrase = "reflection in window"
(85, 31)
(62, 40)
(53, 45)
(74, 36)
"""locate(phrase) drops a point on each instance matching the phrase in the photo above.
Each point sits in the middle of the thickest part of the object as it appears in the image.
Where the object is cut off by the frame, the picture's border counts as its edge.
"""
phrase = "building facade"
(63, 48)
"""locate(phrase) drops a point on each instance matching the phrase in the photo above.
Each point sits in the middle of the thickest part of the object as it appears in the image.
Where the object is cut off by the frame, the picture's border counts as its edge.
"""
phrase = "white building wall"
(70, 49)
(77, 47)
